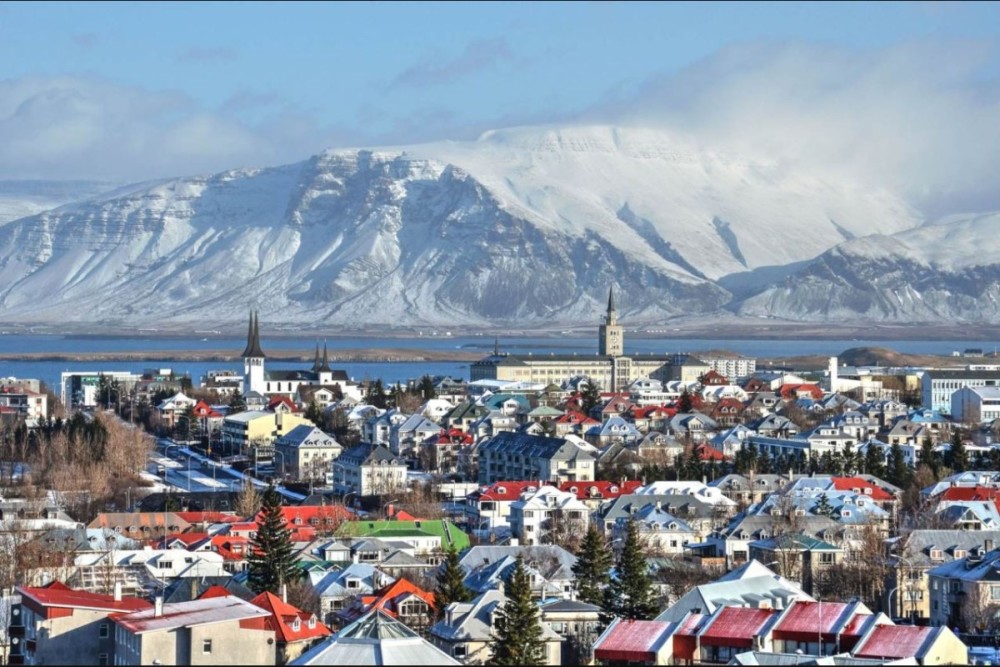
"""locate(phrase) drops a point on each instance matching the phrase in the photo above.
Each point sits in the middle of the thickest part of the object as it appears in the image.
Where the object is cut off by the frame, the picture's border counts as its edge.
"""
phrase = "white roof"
(205, 611)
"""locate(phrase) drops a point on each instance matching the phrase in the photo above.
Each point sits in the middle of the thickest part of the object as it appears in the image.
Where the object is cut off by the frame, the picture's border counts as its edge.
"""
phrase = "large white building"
(975, 405)
(936, 387)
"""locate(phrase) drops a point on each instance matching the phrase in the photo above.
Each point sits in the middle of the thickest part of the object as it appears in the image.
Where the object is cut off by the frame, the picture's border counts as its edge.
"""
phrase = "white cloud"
(921, 118)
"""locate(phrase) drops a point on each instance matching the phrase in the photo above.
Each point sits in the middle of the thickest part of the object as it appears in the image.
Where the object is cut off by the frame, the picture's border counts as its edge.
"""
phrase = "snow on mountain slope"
(945, 271)
(521, 226)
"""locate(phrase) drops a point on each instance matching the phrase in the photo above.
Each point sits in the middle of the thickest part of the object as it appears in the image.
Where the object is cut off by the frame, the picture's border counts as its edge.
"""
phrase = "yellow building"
(259, 428)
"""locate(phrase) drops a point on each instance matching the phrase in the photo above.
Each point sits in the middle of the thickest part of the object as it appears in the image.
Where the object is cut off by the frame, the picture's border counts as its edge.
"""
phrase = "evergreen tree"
(590, 396)
(450, 583)
(684, 402)
(874, 463)
(592, 567)
(958, 456)
(426, 388)
(237, 403)
(823, 505)
(929, 457)
(517, 638)
(630, 593)
(313, 412)
(897, 470)
(271, 563)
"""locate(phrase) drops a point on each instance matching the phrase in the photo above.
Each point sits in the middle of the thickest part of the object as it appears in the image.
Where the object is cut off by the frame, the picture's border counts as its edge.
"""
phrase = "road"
(187, 470)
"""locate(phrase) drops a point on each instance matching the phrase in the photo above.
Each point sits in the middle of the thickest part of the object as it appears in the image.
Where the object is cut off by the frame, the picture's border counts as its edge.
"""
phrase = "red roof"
(282, 400)
(504, 491)
(575, 417)
(59, 596)
(800, 390)
(283, 617)
(587, 490)
(851, 483)
(205, 411)
(709, 453)
(215, 591)
(735, 627)
(387, 598)
(208, 517)
(807, 619)
(967, 493)
(631, 641)
(651, 411)
(313, 515)
(895, 641)
(713, 379)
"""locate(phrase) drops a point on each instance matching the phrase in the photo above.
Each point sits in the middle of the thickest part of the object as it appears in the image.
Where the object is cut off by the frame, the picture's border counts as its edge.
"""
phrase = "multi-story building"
(964, 593)
(259, 428)
(56, 625)
(738, 367)
(30, 404)
(971, 405)
(937, 386)
(217, 628)
(306, 453)
(520, 456)
(538, 516)
(369, 469)
(610, 368)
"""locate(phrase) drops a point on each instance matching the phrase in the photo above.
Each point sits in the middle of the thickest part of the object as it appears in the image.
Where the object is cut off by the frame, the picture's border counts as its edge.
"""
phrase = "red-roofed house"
(652, 417)
(282, 404)
(573, 421)
(645, 642)
(73, 625)
(793, 391)
(727, 411)
(800, 627)
(713, 379)
(929, 645)
(402, 599)
(306, 521)
(488, 509)
(732, 630)
(215, 629)
(860, 485)
(597, 492)
(295, 630)
(708, 453)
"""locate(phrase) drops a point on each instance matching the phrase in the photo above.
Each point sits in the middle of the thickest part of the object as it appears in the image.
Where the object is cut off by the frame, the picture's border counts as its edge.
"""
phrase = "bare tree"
(249, 500)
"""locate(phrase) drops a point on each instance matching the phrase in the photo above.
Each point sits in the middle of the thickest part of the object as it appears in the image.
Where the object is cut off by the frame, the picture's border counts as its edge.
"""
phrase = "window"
(296, 625)
(206, 646)
(102, 659)
(458, 650)
(102, 630)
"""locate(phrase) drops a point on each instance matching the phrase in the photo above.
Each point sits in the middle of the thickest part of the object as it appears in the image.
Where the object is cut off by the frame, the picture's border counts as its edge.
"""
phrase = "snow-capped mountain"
(949, 271)
(524, 226)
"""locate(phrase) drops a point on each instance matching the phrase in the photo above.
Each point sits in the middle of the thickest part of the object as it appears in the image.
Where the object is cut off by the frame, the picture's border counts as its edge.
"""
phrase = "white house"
(545, 511)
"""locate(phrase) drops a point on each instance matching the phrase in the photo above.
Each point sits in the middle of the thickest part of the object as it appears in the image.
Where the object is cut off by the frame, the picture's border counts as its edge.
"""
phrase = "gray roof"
(366, 453)
(551, 561)
(683, 505)
(532, 446)
(375, 639)
(306, 435)
(920, 542)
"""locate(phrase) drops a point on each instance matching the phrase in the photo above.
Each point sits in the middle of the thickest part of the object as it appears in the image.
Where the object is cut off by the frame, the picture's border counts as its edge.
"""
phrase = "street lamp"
(898, 585)
(174, 444)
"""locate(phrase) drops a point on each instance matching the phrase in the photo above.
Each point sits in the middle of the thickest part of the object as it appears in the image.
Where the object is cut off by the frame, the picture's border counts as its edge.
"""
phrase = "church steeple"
(612, 315)
(252, 350)
(611, 336)
(315, 368)
(325, 367)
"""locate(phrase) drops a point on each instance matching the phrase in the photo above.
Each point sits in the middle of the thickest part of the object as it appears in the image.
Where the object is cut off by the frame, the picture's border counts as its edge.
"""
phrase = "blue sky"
(150, 89)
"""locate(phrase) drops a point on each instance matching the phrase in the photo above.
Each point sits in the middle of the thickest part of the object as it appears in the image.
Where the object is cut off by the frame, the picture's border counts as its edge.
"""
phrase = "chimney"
(284, 593)
(118, 591)
(987, 545)
(158, 606)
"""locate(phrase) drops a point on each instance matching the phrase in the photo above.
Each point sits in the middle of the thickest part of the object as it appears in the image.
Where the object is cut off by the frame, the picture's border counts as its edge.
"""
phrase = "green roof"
(449, 533)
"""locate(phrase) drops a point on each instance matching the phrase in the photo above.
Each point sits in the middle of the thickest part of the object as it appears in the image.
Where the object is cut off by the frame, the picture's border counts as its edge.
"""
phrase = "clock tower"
(611, 337)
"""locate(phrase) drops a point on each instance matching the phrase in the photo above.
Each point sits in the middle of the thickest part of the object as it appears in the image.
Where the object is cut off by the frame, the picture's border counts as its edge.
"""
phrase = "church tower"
(611, 337)
(253, 358)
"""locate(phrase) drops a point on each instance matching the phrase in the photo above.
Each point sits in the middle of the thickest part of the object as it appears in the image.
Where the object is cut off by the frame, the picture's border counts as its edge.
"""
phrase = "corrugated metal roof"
(203, 611)
(60, 595)
(811, 618)
(633, 641)
(895, 641)
(734, 626)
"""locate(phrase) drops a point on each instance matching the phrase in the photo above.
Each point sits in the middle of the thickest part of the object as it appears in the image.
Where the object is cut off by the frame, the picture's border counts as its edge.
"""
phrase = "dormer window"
(312, 622)
(960, 553)
(937, 554)
(845, 513)
(296, 625)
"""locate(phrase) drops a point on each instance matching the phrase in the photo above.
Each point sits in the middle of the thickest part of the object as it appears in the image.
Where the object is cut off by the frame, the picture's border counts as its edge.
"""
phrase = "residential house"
(306, 453)
(577, 624)
(663, 534)
(920, 552)
(801, 557)
(170, 409)
(294, 630)
(966, 589)
(402, 600)
(550, 568)
(215, 629)
(57, 625)
(487, 509)
(548, 513)
(337, 589)
(466, 630)
(405, 438)
(518, 456)
(368, 469)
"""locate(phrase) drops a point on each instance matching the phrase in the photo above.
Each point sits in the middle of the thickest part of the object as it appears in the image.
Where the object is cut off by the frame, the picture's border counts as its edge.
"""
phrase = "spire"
(611, 299)
(315, 367)
(325, 368)
(252, 349)
(496, 346)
